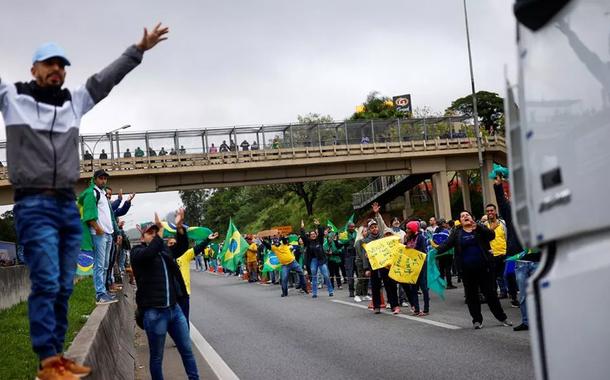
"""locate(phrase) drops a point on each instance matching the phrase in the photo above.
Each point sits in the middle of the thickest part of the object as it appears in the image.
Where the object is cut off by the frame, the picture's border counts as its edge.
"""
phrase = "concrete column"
(487, 184)
(465, 187)
(407, 211)
(440, 191)
(434, 200)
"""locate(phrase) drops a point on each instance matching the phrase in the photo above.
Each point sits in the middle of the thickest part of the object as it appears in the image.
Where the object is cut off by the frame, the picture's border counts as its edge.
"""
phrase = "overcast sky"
(261, 62)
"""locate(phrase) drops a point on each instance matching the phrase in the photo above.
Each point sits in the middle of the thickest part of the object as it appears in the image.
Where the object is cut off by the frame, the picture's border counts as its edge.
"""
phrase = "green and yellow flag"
(233, 249)
(271, 262)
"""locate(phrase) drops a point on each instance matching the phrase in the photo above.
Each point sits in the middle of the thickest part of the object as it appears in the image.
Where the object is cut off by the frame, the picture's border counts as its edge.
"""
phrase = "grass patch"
(18, 359)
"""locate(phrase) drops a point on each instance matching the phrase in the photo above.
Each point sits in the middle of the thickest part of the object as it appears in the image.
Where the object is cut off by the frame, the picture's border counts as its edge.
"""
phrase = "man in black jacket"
(160, 287)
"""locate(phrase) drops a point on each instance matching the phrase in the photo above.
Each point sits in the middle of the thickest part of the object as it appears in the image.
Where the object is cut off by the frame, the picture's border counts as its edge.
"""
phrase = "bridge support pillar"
(440, 193)
(465, 187)
(487, 184)
(407, 211)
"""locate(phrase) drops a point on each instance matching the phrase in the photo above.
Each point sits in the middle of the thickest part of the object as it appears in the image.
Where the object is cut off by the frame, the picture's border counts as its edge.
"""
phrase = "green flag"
(350, 220)
(271, 262)
(436, 283)
(233, 249)
(330, 224)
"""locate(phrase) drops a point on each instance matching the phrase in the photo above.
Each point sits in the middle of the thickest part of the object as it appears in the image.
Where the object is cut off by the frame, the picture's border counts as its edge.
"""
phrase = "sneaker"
(351, 295)
(105, 299)
(422, 313)
(319, 286)
(396, 310)
(521, 327)
(478, 325)
(388, 306)
(331, 294)
(357, 299)
(340, 287)
(377, 310)
(53, 369)
(314, 296)
(367, 298)
(404, 304)
(284, 295)
(514, 303)
(77, 369)
(507, 323)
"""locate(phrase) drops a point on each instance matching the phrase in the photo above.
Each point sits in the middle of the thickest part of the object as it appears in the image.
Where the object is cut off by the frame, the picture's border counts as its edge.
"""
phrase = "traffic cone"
(246, 276)
(220, 269)
(382, 302)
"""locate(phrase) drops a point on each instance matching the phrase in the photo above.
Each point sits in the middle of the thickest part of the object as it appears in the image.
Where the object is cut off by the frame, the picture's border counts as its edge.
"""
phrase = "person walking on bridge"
(42, 122)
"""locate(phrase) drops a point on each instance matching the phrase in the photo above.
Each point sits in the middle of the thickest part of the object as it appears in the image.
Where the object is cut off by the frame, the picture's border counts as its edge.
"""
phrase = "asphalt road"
(263, 336)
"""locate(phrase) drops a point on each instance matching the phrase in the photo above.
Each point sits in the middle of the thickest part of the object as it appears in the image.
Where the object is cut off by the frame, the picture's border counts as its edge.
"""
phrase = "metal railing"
(189, 160)
(372, 190)
(245, 138)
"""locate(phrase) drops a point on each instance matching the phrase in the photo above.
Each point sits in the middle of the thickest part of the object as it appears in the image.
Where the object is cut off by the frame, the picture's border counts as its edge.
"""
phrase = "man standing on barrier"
(42, 122)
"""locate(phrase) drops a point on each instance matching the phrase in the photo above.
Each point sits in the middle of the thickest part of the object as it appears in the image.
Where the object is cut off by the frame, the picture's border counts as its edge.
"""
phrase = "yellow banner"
(407, 265)
(381, 252)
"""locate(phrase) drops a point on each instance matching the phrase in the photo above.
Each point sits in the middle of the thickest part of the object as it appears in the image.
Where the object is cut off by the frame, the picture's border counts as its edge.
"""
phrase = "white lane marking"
(417, 319)
(220, 368)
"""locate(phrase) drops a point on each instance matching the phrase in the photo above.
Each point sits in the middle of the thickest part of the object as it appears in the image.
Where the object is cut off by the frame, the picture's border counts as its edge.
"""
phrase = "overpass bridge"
(284, 153)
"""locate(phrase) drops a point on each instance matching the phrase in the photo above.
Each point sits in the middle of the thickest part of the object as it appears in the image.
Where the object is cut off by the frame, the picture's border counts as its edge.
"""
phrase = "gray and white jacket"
(42, 127)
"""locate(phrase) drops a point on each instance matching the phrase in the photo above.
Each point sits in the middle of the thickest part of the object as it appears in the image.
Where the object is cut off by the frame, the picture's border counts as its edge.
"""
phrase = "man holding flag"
(233, 249)
(282, 250)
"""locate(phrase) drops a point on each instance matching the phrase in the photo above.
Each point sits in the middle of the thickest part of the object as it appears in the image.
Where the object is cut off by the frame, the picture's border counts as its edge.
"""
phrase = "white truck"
(558, 118)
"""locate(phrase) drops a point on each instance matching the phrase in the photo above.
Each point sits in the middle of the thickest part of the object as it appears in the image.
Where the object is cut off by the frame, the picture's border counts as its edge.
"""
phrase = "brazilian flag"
(194, 233)
(233, 249)
(271, 262)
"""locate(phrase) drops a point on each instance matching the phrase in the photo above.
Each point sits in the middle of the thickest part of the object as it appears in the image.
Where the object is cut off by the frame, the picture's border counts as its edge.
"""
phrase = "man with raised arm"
(42, 122)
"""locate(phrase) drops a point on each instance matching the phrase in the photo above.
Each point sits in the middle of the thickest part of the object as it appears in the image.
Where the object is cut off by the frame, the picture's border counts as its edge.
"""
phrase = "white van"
(559, 136)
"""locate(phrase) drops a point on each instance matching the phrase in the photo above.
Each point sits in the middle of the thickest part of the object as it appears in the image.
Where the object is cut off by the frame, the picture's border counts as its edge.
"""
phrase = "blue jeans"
(157, 323)
(49, 229)
(523, 270)
(286, 272)
(314, 276)
(102, 244)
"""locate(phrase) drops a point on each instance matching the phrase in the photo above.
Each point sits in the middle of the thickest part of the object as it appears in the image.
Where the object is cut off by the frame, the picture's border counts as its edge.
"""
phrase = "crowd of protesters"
(470, 252)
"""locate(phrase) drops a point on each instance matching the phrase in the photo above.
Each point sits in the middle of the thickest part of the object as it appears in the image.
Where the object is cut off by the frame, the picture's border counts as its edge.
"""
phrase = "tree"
(193, 201)
(377, 106)
(7, 227)
(490, 108)
(306, 191)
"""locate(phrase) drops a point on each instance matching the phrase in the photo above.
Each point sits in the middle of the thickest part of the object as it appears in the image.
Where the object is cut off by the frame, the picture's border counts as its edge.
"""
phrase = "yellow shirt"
(283, 253)
(498, 245)
(251, 253)
(184, 262)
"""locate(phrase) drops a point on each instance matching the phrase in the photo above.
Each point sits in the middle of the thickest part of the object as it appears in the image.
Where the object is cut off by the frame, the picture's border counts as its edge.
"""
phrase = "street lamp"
(100, 138)
(475, 114)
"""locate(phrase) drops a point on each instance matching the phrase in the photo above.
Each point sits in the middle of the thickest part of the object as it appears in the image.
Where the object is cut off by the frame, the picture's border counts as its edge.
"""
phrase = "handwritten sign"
(381, 252)
(407, 265)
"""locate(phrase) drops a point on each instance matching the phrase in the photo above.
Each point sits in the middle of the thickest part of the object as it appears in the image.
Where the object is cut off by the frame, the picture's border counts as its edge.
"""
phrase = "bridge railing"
(170, 162)
(377, 186)
(205, 146)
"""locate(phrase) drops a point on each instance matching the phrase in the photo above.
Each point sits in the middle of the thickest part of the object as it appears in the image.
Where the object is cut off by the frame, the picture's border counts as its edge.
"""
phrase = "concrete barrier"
(106, 341)
(14, 285)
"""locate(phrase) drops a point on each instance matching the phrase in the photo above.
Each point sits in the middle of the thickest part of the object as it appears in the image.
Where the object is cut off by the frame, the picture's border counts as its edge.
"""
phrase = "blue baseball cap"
(50, 50)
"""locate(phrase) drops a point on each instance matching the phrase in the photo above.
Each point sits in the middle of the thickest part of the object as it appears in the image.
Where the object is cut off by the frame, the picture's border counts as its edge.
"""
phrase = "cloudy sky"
(261, 61)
